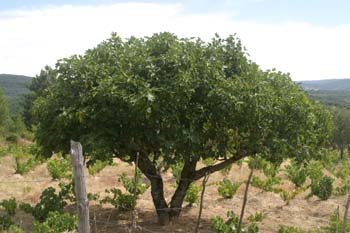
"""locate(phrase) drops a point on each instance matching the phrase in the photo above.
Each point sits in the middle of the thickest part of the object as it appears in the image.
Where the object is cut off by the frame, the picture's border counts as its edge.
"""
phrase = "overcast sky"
(308, 38)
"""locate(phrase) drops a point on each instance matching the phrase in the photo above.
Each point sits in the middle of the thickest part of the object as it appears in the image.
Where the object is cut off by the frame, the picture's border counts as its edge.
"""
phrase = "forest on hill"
(14, 88)
(331, 92)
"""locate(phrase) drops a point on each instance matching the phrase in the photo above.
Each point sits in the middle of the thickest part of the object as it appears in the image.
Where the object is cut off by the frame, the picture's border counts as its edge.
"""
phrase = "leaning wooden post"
(204, 183)
(345, 219)
(80, 188)
(239, 228)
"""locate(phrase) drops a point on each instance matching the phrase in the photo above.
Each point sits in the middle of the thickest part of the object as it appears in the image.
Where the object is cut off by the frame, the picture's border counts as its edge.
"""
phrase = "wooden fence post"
(80, 188)
(245, 199)
(345, 219)
(204, 183)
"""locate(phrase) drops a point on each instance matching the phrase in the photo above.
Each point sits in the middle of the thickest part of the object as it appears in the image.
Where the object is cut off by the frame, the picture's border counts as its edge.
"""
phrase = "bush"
(343, 190)
(287, 196)
(192, 194)
(24, 160)
(257, 217)
(119, 200)
(285, 229)
(12, 138)
(227, 188)
(98, 166)
(5, 222)
(314, 170)
(296, 173)
(267, 184)
(49, 202)
(10, 206)
(176, 170)
(15, 229)
(323, 188)
(336, 224)
(56, 222)
(218, 225)
(24, 165)
(129, 184)
(60, 168)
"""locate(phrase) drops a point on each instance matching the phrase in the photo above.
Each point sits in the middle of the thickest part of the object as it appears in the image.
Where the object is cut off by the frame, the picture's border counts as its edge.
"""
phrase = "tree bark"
(157, 188)
(187, 177)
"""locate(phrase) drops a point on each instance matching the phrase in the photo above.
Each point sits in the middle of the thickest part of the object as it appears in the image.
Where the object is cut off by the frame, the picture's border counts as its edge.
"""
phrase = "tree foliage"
(179, 100)
(342, 129)
(5, 119)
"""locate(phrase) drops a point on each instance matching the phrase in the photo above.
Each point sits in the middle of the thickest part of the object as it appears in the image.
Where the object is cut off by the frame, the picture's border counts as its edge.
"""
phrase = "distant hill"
(333, 92)
(328, 84)
(14, 88)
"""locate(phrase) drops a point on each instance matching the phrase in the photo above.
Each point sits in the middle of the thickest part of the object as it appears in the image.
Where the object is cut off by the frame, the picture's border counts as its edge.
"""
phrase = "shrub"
(129, 184)
(218, 225)
(314, 170)
(176, 170)
(12, 138)
(3, 151)
(98, 166)
(343, 190)
(93, 196)
(343, 171)
(49, 202)
(267, 184)
(285, 229)
(227, 188)
(192, 194)
(119, 200)
(10, 206)
(323, 188)
(336, 224)
(24, 160)
(257, 217)
(60, 168)
(287, 196)
(24, 165)
(296, 173)
(5, 222)
(15, 229)
(56, 222)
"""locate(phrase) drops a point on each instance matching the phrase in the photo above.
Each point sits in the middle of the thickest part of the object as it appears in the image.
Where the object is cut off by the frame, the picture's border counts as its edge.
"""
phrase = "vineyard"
(168, 134)
(280, 198)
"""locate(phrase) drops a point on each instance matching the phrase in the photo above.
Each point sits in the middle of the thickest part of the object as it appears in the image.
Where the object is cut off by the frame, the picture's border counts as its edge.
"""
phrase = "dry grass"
(307, 214)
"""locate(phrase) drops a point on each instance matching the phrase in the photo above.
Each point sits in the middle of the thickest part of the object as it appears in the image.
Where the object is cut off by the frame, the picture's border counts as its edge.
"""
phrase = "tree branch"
(217, 167)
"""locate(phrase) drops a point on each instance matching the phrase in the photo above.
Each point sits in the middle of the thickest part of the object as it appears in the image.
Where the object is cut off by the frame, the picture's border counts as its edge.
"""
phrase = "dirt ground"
(306, 214)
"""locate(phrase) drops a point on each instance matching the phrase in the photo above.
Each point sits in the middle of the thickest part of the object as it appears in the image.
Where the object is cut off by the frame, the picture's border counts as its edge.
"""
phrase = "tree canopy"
(342, 129)
(177, 99)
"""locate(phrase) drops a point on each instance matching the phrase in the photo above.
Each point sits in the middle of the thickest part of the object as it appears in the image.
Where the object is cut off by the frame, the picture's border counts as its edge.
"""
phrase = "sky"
(307, 38)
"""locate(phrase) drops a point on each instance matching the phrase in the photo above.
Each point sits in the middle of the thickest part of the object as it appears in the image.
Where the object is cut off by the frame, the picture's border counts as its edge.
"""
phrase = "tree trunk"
(157, 192)
(187, 177)
(342, 152)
